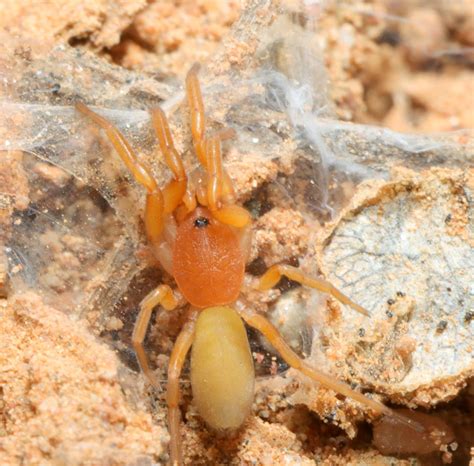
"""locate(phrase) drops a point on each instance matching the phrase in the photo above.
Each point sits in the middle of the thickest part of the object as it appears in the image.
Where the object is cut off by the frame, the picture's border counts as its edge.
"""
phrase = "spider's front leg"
(196, 108)
(230, 214)
(175, 190)
(208, 151)
(154, 207)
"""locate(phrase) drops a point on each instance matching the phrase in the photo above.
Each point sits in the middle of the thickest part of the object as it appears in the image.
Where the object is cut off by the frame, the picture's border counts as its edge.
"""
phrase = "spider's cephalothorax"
(202, 238)
(208, 263)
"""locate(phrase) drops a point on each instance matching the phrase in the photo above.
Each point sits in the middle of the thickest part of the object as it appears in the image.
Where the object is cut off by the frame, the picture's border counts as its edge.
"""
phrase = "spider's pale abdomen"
(208, 263)
(222, 371)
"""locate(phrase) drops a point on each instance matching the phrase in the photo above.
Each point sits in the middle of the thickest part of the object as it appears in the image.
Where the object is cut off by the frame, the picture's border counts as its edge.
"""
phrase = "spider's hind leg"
(161, 295)
(176, 362)
(268, 330)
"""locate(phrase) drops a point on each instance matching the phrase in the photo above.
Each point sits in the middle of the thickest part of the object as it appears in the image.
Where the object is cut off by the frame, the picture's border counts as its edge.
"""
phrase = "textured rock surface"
(405, 251)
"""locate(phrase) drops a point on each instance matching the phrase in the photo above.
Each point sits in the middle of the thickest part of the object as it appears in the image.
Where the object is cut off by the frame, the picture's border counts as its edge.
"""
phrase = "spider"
(202, 238)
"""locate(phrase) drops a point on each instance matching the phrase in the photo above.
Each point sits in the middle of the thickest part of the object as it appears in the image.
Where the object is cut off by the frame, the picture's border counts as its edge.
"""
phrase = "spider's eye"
(201, 222)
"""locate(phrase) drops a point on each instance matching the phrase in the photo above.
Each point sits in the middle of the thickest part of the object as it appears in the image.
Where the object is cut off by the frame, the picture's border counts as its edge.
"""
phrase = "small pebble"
(442, 324)
(114, 324)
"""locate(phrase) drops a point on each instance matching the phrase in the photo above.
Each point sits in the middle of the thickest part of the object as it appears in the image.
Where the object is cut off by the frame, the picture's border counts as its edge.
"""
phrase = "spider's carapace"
(202, 238)
(208, 261)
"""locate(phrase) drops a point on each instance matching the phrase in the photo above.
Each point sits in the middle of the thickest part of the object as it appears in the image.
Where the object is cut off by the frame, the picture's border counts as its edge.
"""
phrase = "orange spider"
(201, 237)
